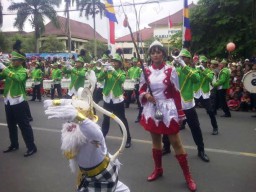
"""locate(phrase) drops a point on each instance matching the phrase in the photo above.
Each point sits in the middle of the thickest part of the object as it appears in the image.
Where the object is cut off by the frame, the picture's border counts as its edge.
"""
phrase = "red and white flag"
(170, 22)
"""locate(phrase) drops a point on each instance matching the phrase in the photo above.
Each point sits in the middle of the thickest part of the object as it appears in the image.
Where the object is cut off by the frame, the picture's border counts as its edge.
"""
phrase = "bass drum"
(249, 81)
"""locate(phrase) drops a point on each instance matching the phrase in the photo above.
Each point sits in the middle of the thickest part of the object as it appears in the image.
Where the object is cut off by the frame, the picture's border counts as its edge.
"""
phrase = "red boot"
(185, 168)
(158, 171)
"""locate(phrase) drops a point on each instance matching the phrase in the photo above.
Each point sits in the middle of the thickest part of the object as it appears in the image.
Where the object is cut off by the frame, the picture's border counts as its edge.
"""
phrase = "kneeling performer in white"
(84, 144)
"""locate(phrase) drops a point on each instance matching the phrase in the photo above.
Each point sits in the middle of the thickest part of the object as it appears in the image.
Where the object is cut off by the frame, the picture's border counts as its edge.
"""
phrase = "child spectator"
(234, 103)
(245, 101)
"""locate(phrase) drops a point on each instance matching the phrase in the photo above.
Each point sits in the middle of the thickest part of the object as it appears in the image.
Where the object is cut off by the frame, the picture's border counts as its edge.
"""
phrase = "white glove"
(181, 62)
(202, 67)
(49, 103)
(111, 68)
(2, 66)
(66, 112)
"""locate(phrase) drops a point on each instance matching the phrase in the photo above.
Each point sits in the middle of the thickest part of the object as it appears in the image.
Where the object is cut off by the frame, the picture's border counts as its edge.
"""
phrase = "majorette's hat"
(156, 43)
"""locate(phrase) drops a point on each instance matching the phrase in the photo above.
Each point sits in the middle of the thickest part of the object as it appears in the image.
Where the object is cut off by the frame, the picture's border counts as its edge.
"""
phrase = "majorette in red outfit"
(162, 111)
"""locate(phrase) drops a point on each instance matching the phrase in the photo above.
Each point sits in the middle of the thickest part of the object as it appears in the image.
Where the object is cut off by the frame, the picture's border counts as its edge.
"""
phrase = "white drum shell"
(65, 83)
(47, 84)
(129, 84)
(29, 83)
(249, 81)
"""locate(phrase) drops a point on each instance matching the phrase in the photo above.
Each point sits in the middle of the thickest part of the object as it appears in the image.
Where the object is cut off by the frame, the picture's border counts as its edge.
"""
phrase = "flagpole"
(183, 31)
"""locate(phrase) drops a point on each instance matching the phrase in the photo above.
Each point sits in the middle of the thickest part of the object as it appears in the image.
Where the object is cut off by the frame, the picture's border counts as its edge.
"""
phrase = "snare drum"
(249, 81)
(129, 84)
(65, 83)
(47, 84)
(29, 83)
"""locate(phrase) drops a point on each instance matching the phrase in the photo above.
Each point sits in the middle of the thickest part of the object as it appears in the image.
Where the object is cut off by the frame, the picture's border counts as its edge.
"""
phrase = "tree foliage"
(175, 40)
(214, 23)
(52, 44)
(34, 11)
(101, 48)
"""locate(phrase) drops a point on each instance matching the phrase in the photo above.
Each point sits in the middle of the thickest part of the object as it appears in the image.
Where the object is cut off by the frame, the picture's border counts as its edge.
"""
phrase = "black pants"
(97, 95)
(37, 92)
(58, 87)
(206, 103)
(119, 111)
(15, 116)
(194, 125)
(128, 98)
(222, 101)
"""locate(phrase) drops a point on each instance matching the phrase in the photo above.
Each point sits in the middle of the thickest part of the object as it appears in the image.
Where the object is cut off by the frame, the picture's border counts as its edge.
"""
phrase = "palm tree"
(35, 11)
(91, 7)
(67, 5)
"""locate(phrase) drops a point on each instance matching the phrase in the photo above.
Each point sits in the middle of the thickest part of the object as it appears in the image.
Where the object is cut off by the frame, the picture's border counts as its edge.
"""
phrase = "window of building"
(127, 50)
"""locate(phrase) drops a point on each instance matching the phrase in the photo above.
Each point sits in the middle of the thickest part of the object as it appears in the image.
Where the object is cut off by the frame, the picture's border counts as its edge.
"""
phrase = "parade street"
(232, 153)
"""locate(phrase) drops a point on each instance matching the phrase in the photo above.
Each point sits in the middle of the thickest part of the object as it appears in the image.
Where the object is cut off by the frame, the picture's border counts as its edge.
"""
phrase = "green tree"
(4, 43)
(175, 41)
(52, 44)
(101, 48)
(91, 8)
(28, 41)
(214, 23)
(34, 11)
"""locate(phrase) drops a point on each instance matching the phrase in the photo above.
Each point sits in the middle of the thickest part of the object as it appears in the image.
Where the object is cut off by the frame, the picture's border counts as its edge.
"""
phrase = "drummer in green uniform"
(56, 76)
(203, 91)
(98, 68)
(222, 84)
(37, 76)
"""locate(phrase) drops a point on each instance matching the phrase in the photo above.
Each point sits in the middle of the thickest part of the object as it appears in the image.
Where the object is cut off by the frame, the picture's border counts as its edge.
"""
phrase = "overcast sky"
(148, 13)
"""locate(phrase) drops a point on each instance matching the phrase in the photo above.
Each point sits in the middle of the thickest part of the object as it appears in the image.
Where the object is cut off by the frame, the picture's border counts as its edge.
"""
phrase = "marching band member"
(77, 75)
(203, 92)
(222, 84)
(164, 83)
(84, 145)
(56, 76)
(187, 78)
(133, 74)
(98, 68)
(114, 77)
(37, 76)
(15, 106)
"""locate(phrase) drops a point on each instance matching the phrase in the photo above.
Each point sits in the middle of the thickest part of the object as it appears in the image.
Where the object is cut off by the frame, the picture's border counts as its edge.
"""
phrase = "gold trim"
(97, 170)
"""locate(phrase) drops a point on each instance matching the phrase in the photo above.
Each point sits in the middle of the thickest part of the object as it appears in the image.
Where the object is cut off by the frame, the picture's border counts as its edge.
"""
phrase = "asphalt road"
(232, 153)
